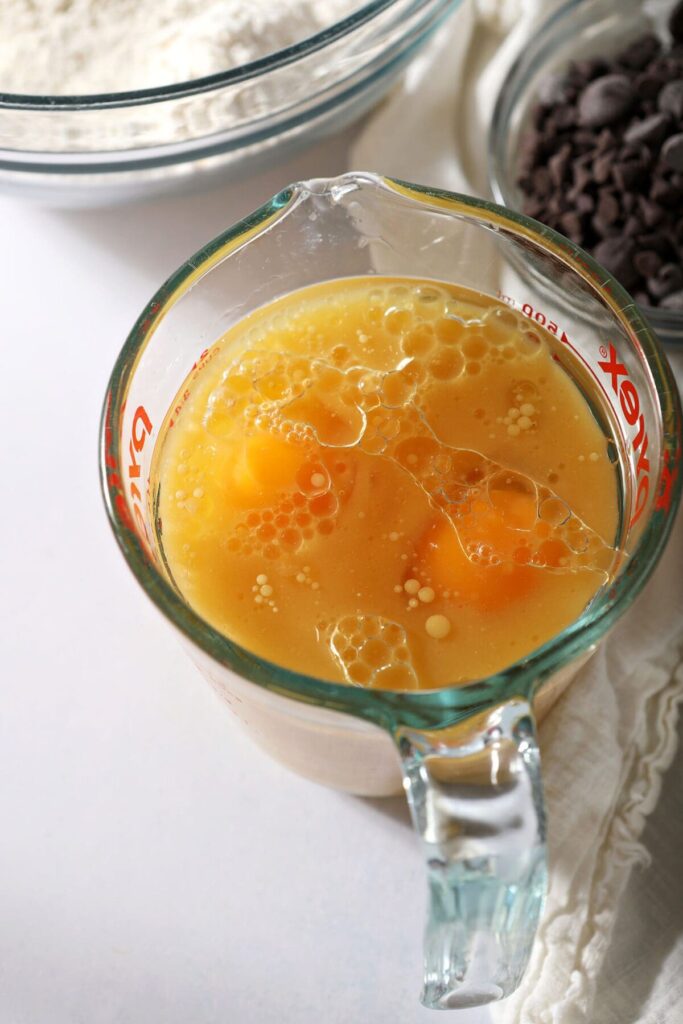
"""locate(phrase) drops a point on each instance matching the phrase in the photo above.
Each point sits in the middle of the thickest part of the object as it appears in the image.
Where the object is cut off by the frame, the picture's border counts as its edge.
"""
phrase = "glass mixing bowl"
(580, 29)
(103, 148)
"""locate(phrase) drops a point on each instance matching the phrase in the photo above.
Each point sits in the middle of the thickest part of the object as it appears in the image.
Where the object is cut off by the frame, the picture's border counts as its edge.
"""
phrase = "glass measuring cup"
(467, 755)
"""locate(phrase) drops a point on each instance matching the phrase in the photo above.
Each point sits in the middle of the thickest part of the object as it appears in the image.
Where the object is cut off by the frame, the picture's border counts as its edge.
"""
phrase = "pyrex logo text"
(630, 406)
(140, 430)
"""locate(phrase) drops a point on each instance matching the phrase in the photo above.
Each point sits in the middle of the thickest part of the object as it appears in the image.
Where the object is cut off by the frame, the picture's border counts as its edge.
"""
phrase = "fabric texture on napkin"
(607, 743)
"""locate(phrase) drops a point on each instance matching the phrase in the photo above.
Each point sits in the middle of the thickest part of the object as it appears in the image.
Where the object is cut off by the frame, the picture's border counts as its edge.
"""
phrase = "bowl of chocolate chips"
(587, 137)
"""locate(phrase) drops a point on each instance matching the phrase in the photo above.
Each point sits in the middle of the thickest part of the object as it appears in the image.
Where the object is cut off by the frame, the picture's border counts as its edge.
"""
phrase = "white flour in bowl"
(62, 47)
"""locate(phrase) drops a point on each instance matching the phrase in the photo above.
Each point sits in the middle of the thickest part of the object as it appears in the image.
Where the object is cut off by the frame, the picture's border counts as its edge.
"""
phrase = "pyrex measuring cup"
(467, 755)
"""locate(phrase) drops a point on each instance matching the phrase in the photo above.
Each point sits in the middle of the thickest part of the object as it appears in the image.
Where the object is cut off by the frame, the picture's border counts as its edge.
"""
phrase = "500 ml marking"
(542, 320)
(537, 316)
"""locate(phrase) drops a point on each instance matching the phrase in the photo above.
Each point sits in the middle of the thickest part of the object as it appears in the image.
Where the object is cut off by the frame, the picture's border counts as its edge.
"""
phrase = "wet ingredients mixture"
(386, 482)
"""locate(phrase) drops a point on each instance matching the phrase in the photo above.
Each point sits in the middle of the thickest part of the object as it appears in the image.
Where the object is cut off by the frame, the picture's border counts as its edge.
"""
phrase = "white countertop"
(154, 865)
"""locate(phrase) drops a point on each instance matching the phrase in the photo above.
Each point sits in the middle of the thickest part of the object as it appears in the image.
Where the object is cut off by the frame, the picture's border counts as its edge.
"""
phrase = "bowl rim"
(390, 709)
(533, 55)
(243, 72)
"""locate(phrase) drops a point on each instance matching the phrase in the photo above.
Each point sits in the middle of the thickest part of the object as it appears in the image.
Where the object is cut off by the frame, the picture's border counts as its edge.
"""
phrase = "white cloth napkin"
(608, 741)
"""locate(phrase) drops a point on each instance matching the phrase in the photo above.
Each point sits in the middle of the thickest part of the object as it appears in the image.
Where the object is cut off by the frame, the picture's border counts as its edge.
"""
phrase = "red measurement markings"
(113, 479)
(543, 321)
(538, 316)
(204, 359)
(629, 400)
(140, 430)
(669, 478)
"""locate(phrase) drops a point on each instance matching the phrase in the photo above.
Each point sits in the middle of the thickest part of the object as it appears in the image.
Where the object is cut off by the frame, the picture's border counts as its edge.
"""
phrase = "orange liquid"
(386, 482)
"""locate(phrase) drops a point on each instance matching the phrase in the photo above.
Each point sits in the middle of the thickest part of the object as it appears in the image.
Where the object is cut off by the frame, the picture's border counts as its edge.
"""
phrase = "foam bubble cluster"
(337, 399)
(308, 511)
(323, 408)
(372, 651)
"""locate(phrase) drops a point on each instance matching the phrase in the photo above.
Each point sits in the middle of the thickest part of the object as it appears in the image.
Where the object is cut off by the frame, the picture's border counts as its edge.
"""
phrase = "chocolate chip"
(576, 73)
(558, 165)
(530, 149)
(616, 256)
(660, 242)
(538, 115)
(605, 100)
(633, 227)
(556, 204)
(629, 174)
(670, 99)
(650, 211)
(605, 141)
(543, 185)
(670, 66)
(584, 203)
(604, 162)
(570, 225)
(602, 168)
(641, 52)
(648, 85)
(666, 193)
(608, 207)
(583, 140)
(651, 131)
(565, 118)
(647, 262)
(668, 279)
(628, 202)
(550, 126)
(586, 70)
(673, 302)
(630, 151)
(672, 151)
(676, 22)
(581, 176)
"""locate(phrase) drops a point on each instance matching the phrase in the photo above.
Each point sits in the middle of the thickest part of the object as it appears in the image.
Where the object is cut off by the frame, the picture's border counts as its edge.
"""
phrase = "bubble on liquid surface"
(326, 406)
(372, 651)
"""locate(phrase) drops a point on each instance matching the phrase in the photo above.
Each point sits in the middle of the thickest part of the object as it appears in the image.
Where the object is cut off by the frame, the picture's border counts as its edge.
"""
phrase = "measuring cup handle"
(476, 801)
